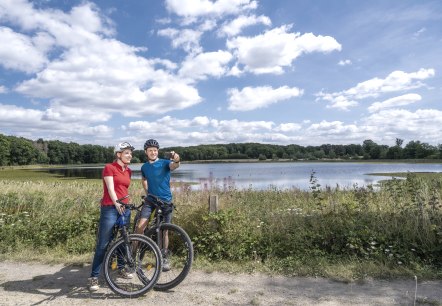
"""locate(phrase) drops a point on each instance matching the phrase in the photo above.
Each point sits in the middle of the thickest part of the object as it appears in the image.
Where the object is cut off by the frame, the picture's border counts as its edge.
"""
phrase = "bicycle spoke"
(133, 274)
(177, 254)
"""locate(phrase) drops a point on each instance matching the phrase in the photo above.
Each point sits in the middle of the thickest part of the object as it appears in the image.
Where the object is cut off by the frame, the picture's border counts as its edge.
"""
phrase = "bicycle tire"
(145, 267)
(179, 254)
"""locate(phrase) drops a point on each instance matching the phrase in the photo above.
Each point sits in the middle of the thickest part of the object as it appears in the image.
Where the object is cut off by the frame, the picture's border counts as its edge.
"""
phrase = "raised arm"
(175, 161)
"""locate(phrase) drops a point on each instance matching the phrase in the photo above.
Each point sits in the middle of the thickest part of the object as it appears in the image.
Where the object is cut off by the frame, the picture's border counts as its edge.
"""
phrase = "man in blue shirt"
(155, 175)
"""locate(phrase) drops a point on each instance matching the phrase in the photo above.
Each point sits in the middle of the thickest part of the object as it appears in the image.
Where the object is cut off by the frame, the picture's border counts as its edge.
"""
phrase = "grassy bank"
(343, 234)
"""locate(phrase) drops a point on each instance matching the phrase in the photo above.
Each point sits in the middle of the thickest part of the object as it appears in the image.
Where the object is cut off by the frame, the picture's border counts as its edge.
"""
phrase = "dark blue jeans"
(108, 218)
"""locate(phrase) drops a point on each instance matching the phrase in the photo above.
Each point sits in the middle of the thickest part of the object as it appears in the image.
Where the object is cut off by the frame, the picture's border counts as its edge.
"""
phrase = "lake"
(280, 175)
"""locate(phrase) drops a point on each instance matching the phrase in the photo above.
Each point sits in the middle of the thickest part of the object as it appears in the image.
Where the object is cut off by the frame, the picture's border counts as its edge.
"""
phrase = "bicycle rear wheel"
(132, 270)
(178, 253)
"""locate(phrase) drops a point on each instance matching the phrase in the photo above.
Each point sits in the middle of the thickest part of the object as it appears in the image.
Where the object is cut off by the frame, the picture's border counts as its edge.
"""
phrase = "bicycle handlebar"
(128, 205)
(154, 200)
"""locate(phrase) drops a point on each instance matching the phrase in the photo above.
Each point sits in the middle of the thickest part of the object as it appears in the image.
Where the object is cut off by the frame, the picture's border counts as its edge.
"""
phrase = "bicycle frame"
(158, 218)
(121, 226)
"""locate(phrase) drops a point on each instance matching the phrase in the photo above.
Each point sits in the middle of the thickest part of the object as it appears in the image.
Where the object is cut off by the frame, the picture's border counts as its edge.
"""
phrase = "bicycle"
(137, 255)
(174, 243)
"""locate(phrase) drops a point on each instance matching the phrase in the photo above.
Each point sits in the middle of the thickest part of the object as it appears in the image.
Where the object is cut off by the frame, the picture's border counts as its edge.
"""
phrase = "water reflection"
(268, 175)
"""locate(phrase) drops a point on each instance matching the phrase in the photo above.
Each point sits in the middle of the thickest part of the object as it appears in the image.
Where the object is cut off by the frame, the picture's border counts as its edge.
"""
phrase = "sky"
(190, 72)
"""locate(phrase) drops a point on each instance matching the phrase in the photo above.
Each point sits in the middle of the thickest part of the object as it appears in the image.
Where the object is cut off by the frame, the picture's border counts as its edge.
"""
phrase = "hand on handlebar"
(120, 206)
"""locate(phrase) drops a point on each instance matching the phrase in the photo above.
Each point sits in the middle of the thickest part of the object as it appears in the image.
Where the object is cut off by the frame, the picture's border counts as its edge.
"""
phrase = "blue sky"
(190, 72)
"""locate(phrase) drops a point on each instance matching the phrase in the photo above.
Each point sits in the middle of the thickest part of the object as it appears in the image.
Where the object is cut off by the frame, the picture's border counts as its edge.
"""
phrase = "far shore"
(215, 161)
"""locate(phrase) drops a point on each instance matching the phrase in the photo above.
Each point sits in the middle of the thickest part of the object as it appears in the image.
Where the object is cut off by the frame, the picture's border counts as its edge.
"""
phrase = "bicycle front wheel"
(177, 251)
(132, 269)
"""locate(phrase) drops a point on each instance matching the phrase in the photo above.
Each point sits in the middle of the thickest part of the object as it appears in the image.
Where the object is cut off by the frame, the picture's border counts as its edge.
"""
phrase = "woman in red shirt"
(116, 182)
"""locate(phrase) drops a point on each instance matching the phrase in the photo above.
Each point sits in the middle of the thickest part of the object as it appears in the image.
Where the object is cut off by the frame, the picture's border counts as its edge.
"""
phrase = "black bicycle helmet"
(151, 143)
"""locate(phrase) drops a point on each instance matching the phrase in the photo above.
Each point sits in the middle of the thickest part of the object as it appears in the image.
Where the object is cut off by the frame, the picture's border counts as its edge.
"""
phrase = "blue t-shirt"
(157, 175)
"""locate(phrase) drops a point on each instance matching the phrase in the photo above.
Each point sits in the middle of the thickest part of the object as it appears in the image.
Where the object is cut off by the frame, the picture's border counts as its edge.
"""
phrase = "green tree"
(4, 151)
(56, 152)
(22, 151)
(416, 149)
(371, 149)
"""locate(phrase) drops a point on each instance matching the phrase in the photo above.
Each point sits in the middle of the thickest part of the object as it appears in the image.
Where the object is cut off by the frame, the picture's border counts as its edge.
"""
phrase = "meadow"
(394, 230)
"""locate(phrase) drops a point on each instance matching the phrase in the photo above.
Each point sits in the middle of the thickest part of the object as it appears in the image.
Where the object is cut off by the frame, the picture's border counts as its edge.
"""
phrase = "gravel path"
(38, 284)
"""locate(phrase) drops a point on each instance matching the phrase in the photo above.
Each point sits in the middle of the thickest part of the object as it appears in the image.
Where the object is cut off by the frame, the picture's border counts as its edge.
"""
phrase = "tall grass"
(396, 227)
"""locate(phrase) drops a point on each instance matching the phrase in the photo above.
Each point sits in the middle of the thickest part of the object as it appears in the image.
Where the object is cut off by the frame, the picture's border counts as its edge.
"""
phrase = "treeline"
(369, 150)
(22, 151)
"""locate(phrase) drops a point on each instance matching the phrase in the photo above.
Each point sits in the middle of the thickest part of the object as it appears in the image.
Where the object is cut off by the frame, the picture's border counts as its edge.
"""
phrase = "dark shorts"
(147, 209)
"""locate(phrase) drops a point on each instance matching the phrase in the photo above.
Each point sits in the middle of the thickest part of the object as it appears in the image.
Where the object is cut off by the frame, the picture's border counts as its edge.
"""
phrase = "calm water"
(271, 175)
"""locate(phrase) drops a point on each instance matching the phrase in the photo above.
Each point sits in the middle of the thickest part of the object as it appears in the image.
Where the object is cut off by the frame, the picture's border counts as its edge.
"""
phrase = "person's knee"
(141, 225)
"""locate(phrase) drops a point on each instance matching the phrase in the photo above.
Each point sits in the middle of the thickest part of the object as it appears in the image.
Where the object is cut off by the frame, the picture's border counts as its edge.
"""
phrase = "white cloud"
(250, 98)
(19, 52)
(277, 48)
(187, 39)
(218, 8)
(164, 97)
(237, 126)
(201, 121)
(332, 127)
(23, 121)
(395, 81)
(423, 124)
(235, 26)
(288, 127)
(80, 26)
(382, 127)
(66, 114)
(205, 64)
(340, 102)
(344, 62)
(235, 71)
(419, 33)
(80, 77)
(12, 115)
(200, 129)
(393, 102)
(92, 71)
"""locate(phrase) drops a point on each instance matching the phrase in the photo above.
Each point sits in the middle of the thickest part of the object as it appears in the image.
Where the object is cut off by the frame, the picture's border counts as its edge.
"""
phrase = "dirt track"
(37, 284)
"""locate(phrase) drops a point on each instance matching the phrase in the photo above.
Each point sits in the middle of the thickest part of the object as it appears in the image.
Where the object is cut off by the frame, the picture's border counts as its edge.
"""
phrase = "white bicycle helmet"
(123, 146)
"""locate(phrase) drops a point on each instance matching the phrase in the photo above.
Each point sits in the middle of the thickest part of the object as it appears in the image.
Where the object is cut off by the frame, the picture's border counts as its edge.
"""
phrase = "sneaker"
(166, 265)
(124, 274)
(93, 283)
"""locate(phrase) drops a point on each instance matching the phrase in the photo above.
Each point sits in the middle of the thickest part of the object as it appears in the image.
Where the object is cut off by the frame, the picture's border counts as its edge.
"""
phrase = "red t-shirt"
(121, 182)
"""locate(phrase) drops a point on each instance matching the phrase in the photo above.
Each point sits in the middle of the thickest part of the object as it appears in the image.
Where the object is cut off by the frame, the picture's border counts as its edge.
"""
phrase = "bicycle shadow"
(69, 282)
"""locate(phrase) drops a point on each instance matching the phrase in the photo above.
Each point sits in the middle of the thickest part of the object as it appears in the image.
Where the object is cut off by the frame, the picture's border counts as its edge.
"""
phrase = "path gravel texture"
(40, 284)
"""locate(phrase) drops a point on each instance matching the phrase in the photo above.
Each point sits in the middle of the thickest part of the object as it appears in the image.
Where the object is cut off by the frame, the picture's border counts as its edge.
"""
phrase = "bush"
(397, 224)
